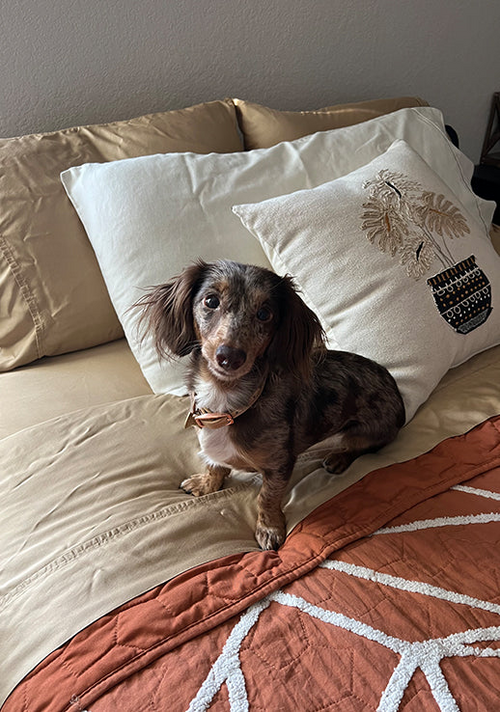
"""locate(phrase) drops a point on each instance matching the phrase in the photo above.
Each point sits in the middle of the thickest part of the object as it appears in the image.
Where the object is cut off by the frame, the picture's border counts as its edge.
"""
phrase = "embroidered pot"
(462, 295)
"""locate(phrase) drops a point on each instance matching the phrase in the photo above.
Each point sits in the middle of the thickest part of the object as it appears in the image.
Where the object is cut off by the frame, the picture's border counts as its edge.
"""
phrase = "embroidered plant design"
(416, 225)
(403, 219)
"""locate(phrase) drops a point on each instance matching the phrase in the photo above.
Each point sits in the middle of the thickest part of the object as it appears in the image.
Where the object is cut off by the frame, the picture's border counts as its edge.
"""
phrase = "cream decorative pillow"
(148, 218)
(53, 298)
(393, 263)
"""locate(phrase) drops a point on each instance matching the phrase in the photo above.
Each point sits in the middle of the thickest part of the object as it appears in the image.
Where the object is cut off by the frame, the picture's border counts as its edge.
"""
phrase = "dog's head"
(236, 314)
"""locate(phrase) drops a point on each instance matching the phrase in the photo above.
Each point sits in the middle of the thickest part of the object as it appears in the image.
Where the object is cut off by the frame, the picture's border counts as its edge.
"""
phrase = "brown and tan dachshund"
(263, 386)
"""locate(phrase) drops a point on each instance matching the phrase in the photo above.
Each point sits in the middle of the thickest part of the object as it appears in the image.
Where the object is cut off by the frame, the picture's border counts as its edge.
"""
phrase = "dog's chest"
(217, 446)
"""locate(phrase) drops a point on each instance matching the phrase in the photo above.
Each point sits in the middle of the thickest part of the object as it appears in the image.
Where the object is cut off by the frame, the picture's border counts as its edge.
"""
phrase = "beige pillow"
(393, 263)
(263, 127)
(53, 298)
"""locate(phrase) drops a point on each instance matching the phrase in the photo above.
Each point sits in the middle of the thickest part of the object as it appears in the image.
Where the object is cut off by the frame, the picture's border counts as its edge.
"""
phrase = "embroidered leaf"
(442, 216)
(417, 254)
(391, 186)
(401, 218)
(384, 225)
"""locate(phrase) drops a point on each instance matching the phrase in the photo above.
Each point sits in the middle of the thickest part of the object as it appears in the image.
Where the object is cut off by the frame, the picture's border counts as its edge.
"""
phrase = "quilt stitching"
(424, 655)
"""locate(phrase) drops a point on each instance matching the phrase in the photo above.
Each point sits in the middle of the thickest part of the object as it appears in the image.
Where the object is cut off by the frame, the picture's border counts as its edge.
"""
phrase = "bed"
(120, 591)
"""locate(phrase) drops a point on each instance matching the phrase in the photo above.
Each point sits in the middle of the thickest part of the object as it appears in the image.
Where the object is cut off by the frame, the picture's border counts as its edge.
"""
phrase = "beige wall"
(67, 62)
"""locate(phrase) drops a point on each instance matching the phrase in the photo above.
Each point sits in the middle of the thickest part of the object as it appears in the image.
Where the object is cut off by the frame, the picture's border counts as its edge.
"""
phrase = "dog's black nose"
(229, 358)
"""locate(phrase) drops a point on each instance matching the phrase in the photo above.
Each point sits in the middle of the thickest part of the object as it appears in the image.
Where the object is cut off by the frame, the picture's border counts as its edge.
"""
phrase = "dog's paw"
(336, 463)
(270, 537)
(199, 485)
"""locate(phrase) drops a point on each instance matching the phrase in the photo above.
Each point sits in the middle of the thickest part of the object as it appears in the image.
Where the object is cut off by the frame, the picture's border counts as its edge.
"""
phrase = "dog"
(263, 386)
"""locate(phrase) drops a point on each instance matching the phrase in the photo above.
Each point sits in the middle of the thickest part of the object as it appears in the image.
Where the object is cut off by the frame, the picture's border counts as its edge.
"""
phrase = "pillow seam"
(25, 292)
(331, 109)
(459, 167)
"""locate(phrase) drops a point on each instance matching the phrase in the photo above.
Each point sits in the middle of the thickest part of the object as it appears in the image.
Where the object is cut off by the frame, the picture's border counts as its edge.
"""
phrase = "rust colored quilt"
(385, 598)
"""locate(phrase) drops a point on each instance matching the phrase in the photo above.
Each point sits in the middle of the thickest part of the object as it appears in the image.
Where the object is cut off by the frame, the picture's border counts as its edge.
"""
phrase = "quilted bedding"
(94, 521)
(385, 597)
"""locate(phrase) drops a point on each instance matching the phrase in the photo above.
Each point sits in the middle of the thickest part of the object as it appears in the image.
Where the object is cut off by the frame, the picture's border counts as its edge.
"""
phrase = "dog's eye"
(264, 314)
(212, 302)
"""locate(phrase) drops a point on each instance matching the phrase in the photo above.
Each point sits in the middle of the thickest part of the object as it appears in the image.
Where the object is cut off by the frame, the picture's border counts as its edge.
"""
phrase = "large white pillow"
(148, 218)
(397, 268)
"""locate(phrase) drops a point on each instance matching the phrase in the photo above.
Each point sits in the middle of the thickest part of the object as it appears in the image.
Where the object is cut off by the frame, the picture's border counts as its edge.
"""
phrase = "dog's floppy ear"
(299, 332)
(168, 312)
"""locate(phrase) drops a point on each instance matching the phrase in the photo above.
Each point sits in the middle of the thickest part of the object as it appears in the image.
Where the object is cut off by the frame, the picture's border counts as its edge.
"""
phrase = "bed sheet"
(384, 598)
(56, 385)
(103, 519)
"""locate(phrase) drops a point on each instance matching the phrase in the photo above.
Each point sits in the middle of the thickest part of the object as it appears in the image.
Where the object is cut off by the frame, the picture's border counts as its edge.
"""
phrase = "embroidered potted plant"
(416, 225)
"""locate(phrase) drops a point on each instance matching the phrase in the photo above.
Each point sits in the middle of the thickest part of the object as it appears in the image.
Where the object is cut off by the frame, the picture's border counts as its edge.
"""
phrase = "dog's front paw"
(270, 536)
(199, 485)
(336, 463)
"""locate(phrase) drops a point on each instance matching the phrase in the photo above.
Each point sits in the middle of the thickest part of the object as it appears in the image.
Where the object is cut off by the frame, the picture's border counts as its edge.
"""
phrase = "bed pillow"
(393, 263)
(263, 127)
(53, 298)
(495, 237)
(148, 218)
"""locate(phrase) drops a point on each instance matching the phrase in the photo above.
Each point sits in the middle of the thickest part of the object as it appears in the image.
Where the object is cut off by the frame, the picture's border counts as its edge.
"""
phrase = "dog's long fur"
(247, 329)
